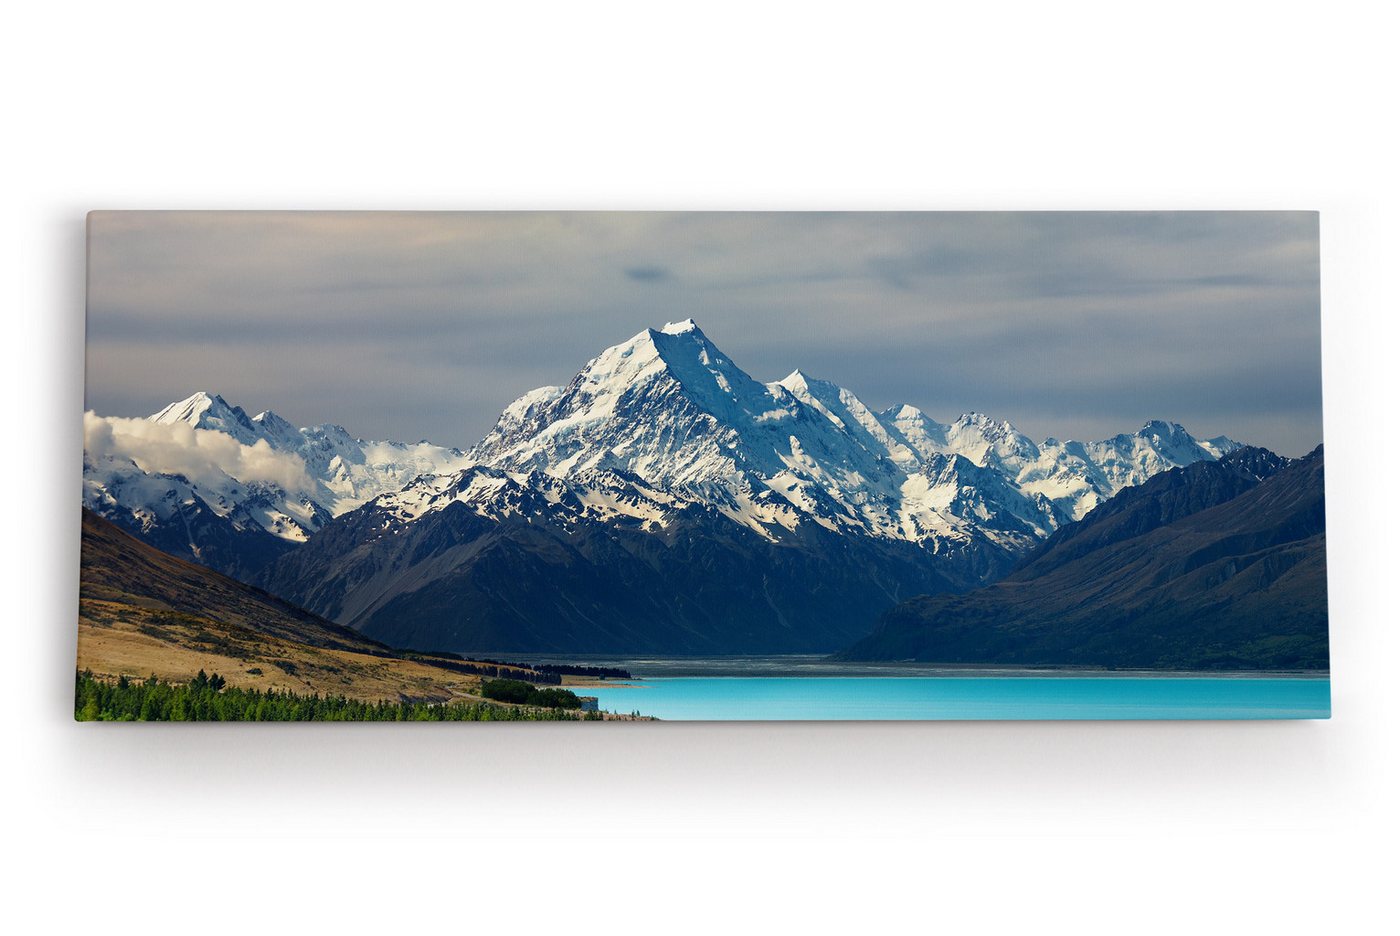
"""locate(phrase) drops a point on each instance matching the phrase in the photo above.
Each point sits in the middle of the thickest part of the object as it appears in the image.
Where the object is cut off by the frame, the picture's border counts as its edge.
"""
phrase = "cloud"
(201, 455)
(425, 325)
(648, 274)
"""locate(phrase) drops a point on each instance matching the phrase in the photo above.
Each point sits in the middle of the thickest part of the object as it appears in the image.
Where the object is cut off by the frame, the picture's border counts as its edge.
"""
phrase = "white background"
(955, 827)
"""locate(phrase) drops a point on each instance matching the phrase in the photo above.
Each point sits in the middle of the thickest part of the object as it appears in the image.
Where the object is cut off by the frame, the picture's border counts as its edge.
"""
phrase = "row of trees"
(598, 672)
(207, 698)
(522, 693)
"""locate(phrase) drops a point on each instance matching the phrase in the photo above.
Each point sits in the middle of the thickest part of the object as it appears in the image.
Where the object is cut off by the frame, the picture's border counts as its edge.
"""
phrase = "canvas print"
(624, 466)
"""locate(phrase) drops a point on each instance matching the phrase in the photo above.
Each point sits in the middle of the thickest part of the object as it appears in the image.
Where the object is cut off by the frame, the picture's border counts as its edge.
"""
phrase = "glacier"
(671, 408)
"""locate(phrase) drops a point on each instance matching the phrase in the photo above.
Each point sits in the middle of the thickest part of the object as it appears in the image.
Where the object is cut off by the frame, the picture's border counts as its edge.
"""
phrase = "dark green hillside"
(1213, 566)
(1161, 500)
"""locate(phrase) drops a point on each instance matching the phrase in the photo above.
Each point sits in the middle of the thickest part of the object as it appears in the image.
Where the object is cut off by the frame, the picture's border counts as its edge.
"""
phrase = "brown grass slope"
(143, 612)
(117, 566)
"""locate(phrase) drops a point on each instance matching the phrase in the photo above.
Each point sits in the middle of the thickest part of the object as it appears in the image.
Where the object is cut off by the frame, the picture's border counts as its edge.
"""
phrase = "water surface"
(976, 697)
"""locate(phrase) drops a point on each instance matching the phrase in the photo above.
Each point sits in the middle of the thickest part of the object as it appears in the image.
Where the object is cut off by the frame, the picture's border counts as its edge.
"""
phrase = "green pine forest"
(207, 698)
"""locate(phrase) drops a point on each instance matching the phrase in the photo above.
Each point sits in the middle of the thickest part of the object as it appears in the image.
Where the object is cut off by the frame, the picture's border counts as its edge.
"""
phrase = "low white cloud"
(199, 454)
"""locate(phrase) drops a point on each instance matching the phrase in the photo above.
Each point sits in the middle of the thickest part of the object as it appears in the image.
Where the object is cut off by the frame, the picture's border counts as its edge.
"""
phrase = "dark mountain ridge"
(142, 611)
(116, 567)
(663, 500)
(1160, 500)
(548, 577)
(1211, 566)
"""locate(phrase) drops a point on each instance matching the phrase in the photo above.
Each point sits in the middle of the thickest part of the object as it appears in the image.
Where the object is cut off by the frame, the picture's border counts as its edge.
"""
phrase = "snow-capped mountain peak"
(847, 412)
(204, 410)
(526, 402)
(1161, 427)
(666, 422)
(279, 433)
(668, 406)
(680, 328)
(270, 420)
(276, 480)
(193, 408)
(984, 440)
(680, 353)
(1220, 446)
(798, 380)
(705, 372)
(1163, 432)
(915, 429)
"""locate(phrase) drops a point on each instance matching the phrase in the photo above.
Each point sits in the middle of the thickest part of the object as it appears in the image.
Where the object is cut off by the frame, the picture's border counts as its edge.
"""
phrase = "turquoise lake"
(966, 697)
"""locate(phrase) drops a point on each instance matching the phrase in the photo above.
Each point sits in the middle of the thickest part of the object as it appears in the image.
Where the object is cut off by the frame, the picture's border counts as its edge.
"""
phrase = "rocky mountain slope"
(670, 407)
(203, 480)
(1212, 566)
(663, 500)
(490, 561)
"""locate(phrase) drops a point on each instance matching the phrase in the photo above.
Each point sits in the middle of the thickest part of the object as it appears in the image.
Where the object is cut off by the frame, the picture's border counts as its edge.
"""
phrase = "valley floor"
(118, 639)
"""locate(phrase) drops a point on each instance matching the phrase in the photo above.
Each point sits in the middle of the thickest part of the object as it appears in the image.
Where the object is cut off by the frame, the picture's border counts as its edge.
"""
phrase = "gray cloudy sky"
(425, 325)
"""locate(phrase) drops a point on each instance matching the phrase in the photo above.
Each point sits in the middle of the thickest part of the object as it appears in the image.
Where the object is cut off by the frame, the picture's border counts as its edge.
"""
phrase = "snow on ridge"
(665, 421)
(286, 480)
(190, 409)
(495, 494)
(532, 398)
(147, 470)
(668, 405)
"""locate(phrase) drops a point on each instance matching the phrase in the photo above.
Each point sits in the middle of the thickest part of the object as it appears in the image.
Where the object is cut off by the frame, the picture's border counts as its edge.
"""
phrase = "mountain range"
(662, 501)
(204, 480)
(1217, 565)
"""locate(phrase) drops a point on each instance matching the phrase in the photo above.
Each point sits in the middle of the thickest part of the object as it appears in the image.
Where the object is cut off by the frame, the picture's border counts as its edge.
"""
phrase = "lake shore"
(816, 666)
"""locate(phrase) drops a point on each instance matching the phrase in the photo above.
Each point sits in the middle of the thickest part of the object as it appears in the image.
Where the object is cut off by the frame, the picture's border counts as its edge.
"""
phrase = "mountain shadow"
(144, 613)
(543, 578)
(1217, 565)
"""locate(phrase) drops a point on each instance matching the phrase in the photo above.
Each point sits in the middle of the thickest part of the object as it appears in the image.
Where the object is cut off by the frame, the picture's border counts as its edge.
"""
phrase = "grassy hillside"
(142, 613)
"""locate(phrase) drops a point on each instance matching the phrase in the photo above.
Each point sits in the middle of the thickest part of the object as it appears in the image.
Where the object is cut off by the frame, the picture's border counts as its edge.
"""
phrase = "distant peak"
(540, 395)
(204, 397)
(269, 418)
(976, 419)
(1222, 445)
(192, 407)
(795, 380)
(680, 328)
(1161, 427)
(991, 428)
